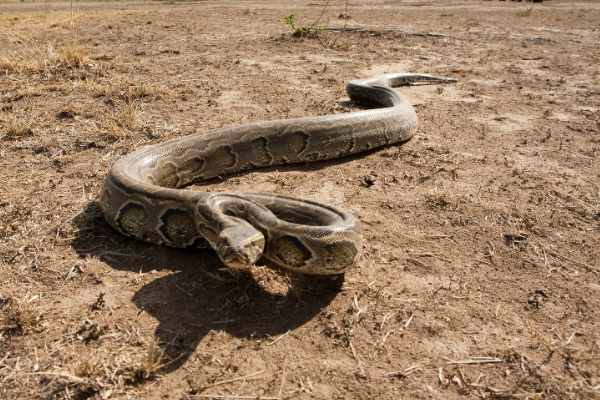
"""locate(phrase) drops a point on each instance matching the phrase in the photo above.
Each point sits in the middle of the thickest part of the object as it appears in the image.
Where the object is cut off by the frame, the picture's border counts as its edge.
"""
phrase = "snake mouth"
(237, 264)
(240, 252)
(239, 257)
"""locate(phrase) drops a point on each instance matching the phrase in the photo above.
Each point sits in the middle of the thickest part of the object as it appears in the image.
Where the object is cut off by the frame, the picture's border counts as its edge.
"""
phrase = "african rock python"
(140, 196)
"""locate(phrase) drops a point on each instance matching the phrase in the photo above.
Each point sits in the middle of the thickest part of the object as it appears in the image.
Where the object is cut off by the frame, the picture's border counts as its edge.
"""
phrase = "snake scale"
(141, 199)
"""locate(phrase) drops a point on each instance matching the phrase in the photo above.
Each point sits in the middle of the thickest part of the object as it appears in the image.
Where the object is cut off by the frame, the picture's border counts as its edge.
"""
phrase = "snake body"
(141, 199)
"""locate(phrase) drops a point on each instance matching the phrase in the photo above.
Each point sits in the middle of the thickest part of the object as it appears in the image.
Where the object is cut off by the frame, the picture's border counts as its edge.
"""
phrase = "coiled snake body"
(140, 196)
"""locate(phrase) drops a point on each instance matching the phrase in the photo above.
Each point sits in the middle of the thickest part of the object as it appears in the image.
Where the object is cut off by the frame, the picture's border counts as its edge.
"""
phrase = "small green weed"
(299, 31)
(526, 13)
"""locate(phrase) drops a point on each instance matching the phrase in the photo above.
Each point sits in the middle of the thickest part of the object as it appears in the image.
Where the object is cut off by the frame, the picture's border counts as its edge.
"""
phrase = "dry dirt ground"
(480, 270)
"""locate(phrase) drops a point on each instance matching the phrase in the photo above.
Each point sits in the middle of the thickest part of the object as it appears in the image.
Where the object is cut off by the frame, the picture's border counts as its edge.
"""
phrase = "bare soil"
(480, 271)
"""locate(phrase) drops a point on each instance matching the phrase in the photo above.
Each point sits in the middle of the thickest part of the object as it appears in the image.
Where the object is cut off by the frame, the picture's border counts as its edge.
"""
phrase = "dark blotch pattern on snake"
(141, 198)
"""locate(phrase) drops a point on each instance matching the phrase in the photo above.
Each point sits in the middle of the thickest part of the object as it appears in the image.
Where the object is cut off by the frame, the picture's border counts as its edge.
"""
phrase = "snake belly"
(141, 197)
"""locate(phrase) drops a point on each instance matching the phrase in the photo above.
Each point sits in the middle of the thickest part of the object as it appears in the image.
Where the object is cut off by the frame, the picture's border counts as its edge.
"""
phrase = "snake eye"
(253, 243)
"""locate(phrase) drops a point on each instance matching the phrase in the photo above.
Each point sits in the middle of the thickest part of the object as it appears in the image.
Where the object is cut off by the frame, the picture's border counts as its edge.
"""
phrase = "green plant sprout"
(299, 31)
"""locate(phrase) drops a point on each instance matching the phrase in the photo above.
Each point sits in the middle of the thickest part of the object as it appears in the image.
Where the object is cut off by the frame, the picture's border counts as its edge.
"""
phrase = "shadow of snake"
(189, 302)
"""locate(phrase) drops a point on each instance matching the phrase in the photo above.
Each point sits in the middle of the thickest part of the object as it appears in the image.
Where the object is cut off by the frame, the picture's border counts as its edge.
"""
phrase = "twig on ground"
(439, 236)
(279, 338)
(282, 377)
(405, 372)
(322, 12)
(227, 396)
(344, 29)
(573, 261)
(575, 153)
(75, 378)
(184, 291)
(477, 360)
(491, 389)
(431, 255)
(571, 338)
(241, 378)
(57, 227)
(359, 363)
(443, 380)
(366, 30)
(407, 322)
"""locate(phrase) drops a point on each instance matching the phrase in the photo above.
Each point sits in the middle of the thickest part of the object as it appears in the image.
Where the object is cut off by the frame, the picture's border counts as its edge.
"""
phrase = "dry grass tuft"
(524, 219)
(68, 111)
(467, 70)
(114, 130)
(129, 92)
(131, 364)
(13, 127)
(525, 13)
(73, 56)
(124, 122)
(129, 114)
(547, 113)
(31, 58)
(124, 119)
(143, 91)
(50, 60)
(16, 318)
(111, 368)
(548, 379)
(63, 372)
(443, 200)
(9, 64)
(98, 88)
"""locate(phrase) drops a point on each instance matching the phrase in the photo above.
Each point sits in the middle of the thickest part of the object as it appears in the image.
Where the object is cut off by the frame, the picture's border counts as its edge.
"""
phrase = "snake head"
(240, 246)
